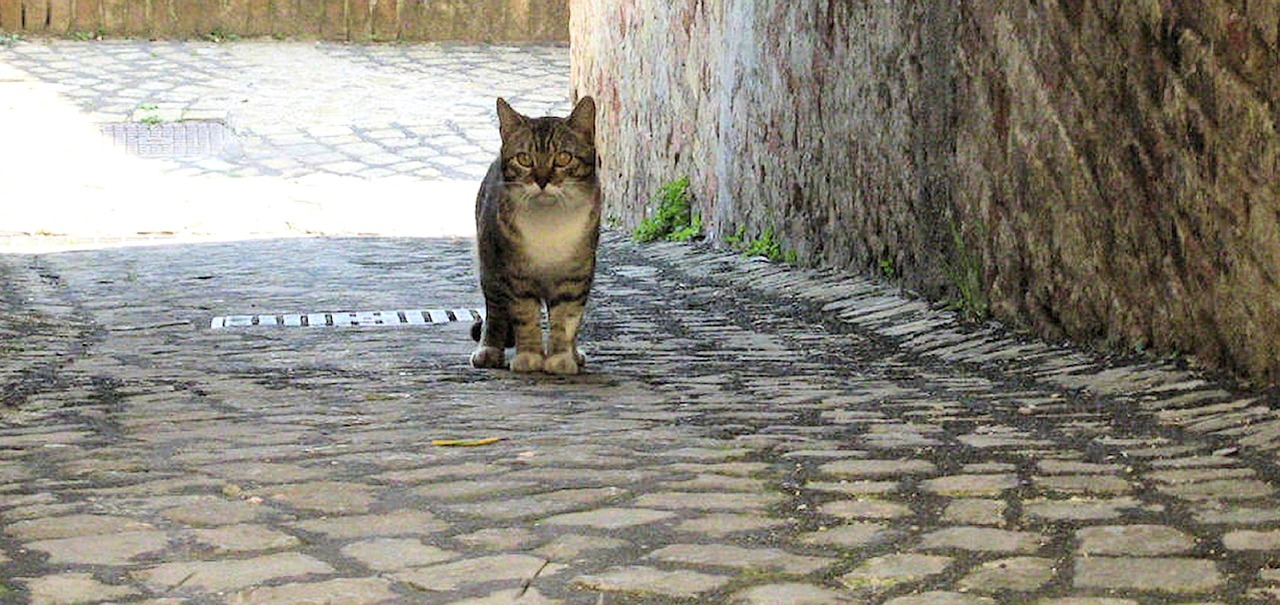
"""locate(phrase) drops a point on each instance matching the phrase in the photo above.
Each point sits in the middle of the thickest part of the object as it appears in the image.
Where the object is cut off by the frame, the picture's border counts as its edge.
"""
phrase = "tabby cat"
(537, 229)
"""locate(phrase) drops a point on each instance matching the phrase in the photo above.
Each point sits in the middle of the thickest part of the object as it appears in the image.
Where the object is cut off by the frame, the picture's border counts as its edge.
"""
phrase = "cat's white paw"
(527, 362)
(562, 363)
(579, 357)
(488, 357)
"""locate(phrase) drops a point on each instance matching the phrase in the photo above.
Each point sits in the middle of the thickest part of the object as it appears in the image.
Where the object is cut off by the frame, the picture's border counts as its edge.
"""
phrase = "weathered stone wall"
(345, 20)
(1095, 169)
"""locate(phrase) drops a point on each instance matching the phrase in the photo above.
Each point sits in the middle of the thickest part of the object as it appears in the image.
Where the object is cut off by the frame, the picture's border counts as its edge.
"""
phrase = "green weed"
(219, 35)
(965, 273)
(86, 36)
(8, 39)
(767, 245)
(886, 269)
(674, 219)
(148, 114)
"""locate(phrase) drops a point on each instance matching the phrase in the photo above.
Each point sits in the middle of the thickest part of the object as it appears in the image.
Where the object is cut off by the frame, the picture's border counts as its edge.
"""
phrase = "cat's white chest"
(555, 237)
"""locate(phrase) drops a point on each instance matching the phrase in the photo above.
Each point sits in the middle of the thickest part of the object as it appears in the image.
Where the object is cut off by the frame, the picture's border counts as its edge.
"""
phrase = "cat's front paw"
(488, 357)
(562, 363)
(527, 362)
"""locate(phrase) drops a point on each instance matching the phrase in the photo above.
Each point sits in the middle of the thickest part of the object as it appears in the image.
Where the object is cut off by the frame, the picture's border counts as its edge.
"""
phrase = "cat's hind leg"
(563, 355)
(526, 320)
(493, 335)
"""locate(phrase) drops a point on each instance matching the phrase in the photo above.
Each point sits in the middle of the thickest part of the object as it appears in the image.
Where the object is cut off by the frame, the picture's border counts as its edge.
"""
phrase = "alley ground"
(746, 432)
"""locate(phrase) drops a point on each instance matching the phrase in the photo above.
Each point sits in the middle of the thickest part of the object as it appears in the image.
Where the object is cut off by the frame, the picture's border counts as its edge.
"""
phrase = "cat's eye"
(524, 160)
(562, 159)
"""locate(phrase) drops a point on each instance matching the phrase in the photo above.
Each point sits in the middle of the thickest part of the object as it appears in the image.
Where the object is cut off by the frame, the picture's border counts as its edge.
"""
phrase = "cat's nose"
(542, 180)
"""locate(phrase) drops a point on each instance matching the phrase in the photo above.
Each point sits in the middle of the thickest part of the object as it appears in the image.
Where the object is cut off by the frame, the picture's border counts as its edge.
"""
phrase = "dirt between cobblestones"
(746, 432)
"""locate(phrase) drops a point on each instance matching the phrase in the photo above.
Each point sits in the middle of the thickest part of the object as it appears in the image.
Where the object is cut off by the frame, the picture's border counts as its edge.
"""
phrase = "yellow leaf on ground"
(466, 442)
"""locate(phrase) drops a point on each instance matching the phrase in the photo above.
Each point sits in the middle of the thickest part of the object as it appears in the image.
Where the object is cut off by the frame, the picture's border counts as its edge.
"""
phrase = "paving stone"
(1098, 485)
(866, 508)
(569, 547)
(855, 488)
(72, 588)
(234, 574)
(1196, 475)
(720, 525)
(1236, 515)
(499, 538)
(735, 469)
(1073, 467)
(244, 538)
(1021, 574)
(975, 511)
(538, 505)
(398, 523)
(1081, 509)
(1001, 437)
(217, 511)
(724, 555)
(473, 489)
(890, 570)
(1133, 540)
(114, 549)
(982, 539)
(853, 535)
(330, 497)
(970, 485)
(347, 591)
(651, 581)
(455, 575)
(1177, 576)
(717, 483)
(874, 469)
(256, 472)
(1252, 540)
(469, 471)
(791, 594)
(706, 501)
(73, 526)
(389, 554)
(610, 518)
(1086, 601)
(520, 596)
(941, 598)
(1225, 489)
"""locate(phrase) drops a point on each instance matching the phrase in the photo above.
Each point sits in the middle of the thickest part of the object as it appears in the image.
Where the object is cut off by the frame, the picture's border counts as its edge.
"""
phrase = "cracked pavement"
(746, 432)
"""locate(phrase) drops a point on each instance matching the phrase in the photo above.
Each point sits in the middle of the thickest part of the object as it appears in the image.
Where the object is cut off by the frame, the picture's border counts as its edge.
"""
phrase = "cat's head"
(549, 160)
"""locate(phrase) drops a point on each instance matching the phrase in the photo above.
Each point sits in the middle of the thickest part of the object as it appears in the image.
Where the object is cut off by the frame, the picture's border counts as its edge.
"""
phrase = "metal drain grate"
(170, 139)
(415, 317)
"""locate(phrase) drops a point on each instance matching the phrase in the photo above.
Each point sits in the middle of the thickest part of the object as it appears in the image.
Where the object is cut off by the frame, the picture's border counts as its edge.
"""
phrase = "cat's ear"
(508, 119)
(583, 118)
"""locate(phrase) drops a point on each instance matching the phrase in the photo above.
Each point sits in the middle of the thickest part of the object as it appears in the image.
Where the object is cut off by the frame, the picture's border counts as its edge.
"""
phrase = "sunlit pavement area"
(746, 432)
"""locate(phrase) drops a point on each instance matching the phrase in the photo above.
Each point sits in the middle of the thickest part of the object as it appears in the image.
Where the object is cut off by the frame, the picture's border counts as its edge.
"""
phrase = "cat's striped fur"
(537, 229)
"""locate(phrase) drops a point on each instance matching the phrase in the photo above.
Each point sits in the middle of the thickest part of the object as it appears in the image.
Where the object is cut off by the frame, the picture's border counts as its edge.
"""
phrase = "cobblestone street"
(746, 432)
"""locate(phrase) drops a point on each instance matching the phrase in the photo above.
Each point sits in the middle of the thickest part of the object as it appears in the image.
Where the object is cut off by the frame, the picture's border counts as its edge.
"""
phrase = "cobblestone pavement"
(326, 138)
(746, 433)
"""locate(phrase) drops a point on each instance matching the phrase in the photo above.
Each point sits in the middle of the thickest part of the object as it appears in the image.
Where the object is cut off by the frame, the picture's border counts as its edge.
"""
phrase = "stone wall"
(344, 20)
(1101, 170)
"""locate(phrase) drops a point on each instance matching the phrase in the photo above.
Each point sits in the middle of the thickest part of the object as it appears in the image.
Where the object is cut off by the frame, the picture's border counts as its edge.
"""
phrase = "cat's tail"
(477, 330)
